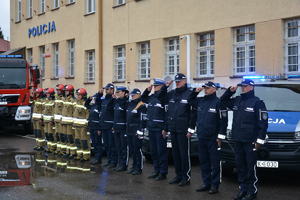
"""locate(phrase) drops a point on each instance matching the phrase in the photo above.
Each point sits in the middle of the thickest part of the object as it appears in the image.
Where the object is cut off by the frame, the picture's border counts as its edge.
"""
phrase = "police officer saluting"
(250, 123)
(211, 122)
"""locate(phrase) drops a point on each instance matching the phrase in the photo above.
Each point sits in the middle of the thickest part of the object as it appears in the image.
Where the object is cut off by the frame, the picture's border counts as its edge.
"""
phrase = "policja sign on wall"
(42, 29)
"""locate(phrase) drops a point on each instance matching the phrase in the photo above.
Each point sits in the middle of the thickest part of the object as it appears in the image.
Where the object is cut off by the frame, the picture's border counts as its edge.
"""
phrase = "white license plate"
(3, 103)
(169, 145)
(267, 164)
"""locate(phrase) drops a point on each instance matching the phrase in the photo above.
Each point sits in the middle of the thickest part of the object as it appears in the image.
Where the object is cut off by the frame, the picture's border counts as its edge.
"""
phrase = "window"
(42, 61)
(119, 2)
(19, 10)
(292, 45)
(71, 58)
(55, 72)
(90, 67)
(244, 50)
(55, 4)
(144, 61)
(71, 1)
(42, 6)
(172, 55)
(29, 56)
(29, 8)
(90, 6)
(120, 63)
(205, 55)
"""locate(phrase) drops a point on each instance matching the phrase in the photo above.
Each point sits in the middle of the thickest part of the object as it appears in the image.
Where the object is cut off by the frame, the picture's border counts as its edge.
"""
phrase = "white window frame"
(90, 6)
(290, 41)
(55, 61)
(90, 66)
(119, 63)
(29, 8)
(42, 6)
(29, 56)
(144, 61)
(42, 51)
(205, 59)
(119, 2)
(175, 53)
(71, 58)
(19, 11)
(246, 49)
(56, 4)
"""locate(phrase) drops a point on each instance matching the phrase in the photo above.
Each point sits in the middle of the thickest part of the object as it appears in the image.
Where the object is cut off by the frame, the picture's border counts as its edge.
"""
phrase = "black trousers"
(122, 148)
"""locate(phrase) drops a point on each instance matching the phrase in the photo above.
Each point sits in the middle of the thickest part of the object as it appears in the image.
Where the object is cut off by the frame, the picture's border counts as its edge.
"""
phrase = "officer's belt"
(80, 121)
(36, 116)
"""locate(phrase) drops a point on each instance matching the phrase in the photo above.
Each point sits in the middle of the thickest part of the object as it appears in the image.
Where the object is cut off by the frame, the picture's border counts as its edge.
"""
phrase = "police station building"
(129, 42)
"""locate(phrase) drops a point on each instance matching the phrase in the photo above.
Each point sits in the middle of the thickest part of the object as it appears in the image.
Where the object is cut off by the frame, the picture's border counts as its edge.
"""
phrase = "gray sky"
(4, 18)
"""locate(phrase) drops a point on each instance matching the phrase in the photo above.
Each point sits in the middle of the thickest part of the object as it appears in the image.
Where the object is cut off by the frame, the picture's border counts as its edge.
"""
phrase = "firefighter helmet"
(69, 88)
(50, 91)
(60, 87)
(39, 90)
(81, 91)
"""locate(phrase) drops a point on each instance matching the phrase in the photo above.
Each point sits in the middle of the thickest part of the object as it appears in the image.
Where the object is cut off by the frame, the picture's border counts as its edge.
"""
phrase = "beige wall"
(71, 23)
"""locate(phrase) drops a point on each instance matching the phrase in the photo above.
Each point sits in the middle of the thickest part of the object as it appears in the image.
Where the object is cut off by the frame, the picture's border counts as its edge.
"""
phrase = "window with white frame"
(244, 50)
(42, 61)
(29, 8)
(205, 55)
(119, 2)
(19, 11)
(120, 63)
(42, 6)
(292, 46)
(29, 56)
(71, 1)
(55, 64)
(55, 4)
(172, 56)
(90, 6)
(144, 60)
(90, 66)
(71, 58)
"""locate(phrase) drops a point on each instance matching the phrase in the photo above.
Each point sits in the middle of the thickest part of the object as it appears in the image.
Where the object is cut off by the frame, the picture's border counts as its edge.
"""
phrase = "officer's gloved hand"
(164, 134)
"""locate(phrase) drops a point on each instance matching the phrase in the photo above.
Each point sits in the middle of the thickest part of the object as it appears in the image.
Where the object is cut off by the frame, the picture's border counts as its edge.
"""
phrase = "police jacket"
(210, 119)
(106, 116)
(155, 109)
(250, 117)
(94, 110)
(120, 108)
(179, 109)
(134, 118)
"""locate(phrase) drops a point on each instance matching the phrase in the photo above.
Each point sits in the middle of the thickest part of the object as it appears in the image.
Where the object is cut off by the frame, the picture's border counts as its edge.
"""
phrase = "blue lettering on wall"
(42, 29)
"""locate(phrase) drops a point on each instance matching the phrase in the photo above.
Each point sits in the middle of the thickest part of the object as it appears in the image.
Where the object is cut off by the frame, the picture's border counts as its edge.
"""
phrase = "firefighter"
(119, 128)
(69, 148)
(58, 105)
(249, 127)
(36, 119)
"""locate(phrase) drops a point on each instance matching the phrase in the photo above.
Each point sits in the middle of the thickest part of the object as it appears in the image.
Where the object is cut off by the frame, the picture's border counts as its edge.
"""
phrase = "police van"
(282, 145)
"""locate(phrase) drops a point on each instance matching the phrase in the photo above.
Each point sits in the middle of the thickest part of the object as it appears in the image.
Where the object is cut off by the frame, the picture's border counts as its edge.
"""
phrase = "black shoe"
(240, 195)
(161, 177)
(175, 180)
(95, 162)
(136, 172)
(153, 175)
(183, 183)
(121, 169)
(249, 197)
(203, 189)
(213, 190)
(131, 171)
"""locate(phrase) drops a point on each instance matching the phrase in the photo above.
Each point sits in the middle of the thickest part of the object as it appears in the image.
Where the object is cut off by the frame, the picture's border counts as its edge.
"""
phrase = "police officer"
(250, 123)
(135, 109)
(58, 106)
(178, 117)
(36, 119)
(211, 122)
(106, 118)
(155, 124)
(119, 128)
(94, 104)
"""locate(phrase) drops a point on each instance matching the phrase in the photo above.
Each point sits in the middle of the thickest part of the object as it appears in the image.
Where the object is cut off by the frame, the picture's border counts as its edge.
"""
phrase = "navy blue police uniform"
(106, 120)
(250, 123)
(211, 122)
(155, 124)
(119, 128)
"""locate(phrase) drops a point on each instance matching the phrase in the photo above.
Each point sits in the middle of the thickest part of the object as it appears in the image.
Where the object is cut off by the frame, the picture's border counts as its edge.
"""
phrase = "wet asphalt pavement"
(50, 182)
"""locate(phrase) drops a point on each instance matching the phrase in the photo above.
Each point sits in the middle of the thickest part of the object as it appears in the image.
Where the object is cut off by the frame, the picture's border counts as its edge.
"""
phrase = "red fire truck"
(17, 81)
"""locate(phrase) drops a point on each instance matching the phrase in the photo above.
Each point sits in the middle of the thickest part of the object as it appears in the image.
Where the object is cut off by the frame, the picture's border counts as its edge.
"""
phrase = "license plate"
(3, 103)
(267, 164)
(169, 145)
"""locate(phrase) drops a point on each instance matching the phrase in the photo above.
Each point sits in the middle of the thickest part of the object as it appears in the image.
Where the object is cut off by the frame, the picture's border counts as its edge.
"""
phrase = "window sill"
(69, 4)
(88, 83)
(142, 80)
(236, 76)
(54, 78)
(119, 5)
(17, 22)
(203, 78)
(42, 13)
(91, 13)
(118, 81)
(28, 18)
(53, 9)
(69, 77)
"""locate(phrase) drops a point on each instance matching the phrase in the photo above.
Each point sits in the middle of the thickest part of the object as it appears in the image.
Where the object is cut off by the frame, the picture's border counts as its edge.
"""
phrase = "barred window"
(244, 50)
(205, 55)
(172, 56)
(29, 8)
(144, 61)
(90, 66)
(55, 4)
(19, 11)
(90, 6)
(292, 43)
(55, 62)
(120, 63)
(42, 6)
(71, 58)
